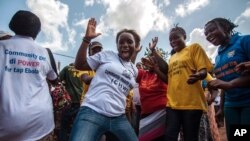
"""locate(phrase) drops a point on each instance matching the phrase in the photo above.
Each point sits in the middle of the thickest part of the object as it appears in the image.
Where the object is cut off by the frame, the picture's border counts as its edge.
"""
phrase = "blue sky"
(64, 21)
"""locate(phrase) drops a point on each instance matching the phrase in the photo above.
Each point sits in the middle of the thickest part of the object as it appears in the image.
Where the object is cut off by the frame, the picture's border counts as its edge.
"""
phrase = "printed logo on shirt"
(126, 74)
(119, 81)
(226, 69)
(28, 64)
(231, 54)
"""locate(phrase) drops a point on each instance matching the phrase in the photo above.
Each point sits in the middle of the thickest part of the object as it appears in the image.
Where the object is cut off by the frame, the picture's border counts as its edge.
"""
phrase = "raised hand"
(91, 29)
(152, 46)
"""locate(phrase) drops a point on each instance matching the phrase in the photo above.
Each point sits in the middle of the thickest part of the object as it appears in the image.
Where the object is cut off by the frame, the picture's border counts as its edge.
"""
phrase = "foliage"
(165, 54)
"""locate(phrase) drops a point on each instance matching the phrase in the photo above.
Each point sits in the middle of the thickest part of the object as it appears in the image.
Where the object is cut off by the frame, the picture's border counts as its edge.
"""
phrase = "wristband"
(86, 40)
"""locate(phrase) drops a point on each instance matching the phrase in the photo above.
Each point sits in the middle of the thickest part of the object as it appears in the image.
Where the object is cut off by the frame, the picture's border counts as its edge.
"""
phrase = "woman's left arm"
(242, 81)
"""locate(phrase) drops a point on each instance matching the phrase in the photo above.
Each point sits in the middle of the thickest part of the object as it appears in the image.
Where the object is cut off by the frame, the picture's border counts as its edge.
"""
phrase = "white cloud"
(53, 15)
(243, 20)
(143, 16)
(161, 4)
(197, 36)
(190, 6)
(89, 2)
(243, 16)
(166, 2)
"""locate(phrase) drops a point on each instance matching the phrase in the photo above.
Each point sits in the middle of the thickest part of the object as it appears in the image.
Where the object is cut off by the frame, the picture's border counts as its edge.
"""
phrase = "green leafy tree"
(165, 54)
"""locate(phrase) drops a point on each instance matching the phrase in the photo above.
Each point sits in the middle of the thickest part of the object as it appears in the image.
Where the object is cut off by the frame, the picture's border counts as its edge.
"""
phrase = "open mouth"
(125, 53)
(212, 39)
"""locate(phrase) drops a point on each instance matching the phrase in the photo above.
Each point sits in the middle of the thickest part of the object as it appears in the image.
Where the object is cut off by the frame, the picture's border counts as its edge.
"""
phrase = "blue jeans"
(236, 115)
(90, 126)
(67, 117)
(189, 120)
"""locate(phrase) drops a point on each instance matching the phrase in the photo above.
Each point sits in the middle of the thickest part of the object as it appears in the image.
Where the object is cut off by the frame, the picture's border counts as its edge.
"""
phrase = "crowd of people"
(115, 100)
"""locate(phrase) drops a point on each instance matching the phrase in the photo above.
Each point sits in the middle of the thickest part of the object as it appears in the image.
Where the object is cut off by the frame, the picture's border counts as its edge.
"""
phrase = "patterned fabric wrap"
(61, 98)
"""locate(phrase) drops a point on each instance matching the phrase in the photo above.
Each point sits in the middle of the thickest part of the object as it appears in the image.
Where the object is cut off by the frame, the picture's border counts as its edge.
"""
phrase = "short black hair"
(131, 31)
(224, 23)
(179, 29)
(25, 23)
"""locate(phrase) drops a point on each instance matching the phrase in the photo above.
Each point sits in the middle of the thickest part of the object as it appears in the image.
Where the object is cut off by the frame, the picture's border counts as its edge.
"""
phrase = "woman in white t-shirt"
(26, 110)
(103, 109)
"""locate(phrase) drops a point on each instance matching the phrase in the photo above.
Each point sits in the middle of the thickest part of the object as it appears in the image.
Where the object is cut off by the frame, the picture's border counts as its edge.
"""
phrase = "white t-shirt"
(26, 110)
(113, 80)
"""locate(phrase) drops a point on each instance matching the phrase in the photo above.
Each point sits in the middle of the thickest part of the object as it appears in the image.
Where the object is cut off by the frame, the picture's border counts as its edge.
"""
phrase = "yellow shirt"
(182, 95)
(209, 77)
(129, 106)
(85, 86)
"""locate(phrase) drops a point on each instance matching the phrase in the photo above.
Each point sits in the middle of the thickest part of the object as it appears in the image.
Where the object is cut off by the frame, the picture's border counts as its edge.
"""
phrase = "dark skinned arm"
(161, 75)
(81, 57)
(163, 66)
(86, 78)
(161, 62)
(199, 75)
(152, 63)
(242, 81)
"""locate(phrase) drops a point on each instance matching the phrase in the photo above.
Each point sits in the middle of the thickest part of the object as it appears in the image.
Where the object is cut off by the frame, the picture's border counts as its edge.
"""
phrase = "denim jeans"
(67, 118)
(189, 120)
(90, 126)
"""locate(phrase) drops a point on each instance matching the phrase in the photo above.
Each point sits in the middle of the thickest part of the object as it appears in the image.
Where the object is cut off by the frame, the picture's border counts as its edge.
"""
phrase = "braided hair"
(225, 24)
(179, 29)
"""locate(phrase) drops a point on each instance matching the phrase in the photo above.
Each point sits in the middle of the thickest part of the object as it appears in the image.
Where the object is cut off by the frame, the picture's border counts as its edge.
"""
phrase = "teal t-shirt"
(237, 51)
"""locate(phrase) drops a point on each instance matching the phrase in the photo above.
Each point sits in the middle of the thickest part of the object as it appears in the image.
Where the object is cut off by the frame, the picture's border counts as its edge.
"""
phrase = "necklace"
(133, 73)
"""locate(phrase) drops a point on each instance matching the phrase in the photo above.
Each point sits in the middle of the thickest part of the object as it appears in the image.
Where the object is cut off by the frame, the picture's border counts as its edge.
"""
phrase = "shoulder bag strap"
(52, 61)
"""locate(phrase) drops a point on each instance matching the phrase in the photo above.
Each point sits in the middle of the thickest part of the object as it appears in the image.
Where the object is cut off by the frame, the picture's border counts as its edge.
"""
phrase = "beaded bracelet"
(86, 40)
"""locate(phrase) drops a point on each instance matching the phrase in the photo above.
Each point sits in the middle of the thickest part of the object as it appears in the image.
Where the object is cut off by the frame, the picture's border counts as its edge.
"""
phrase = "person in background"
(233, 49)
(208, 127)
(87, 76)
(137, 103)
(139, 65)
(188, 66)
(219, 116)
(70, 77)
(103, 108)
(153, 101)
(25, 103)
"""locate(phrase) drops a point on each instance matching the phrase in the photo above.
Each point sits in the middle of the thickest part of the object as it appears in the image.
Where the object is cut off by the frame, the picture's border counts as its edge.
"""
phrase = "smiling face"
(177, 40)
(215, 34)
(125, 45)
